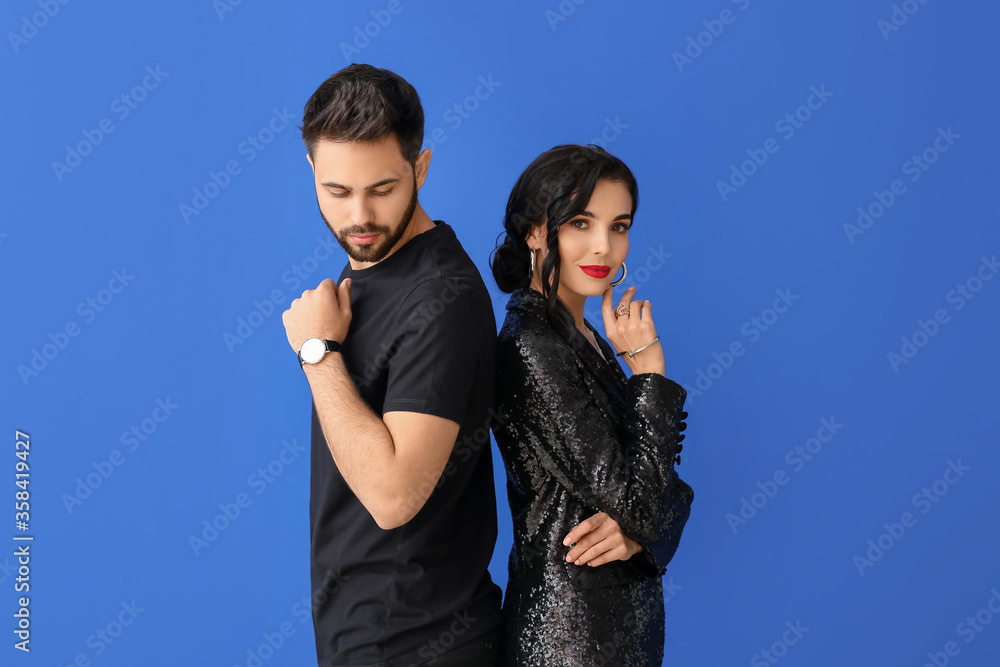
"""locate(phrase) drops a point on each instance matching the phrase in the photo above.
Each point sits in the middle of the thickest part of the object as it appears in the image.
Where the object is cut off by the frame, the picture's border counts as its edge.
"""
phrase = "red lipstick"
(596, 271)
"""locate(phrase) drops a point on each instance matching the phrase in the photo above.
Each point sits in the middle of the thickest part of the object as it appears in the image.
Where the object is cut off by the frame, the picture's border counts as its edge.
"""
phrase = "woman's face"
(592, 245)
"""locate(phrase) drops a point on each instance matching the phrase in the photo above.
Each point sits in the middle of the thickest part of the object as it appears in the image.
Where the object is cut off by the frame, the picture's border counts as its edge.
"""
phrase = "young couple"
(408, 378)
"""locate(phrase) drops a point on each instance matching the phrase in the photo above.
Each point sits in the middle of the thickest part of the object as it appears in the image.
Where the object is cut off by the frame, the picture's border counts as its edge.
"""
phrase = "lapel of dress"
(609, 373)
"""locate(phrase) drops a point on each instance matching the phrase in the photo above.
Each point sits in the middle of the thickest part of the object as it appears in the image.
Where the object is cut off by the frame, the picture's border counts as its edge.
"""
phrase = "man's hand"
(599, 540)
(324, 312)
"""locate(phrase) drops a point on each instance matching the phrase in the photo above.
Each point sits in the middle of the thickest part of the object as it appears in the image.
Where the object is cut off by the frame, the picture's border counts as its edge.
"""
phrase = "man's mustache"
(370, 229)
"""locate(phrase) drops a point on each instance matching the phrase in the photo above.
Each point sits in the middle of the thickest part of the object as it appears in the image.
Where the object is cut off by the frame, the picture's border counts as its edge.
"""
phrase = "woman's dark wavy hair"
(555, 188)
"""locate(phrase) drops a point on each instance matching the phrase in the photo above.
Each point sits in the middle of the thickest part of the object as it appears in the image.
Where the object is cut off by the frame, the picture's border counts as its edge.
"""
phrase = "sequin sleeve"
(654, 409)
(562, 431)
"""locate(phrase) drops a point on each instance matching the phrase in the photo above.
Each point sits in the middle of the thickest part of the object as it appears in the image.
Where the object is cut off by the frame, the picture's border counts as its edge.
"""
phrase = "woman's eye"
(579, 224)
(621, 227)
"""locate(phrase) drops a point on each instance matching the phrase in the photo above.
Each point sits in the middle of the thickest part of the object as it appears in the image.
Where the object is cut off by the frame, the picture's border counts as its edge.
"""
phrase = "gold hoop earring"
(531, 263)
(622, 279)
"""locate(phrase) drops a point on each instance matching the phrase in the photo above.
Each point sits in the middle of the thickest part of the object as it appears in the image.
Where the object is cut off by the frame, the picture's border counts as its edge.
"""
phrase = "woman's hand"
(631, 330)
(599, 540)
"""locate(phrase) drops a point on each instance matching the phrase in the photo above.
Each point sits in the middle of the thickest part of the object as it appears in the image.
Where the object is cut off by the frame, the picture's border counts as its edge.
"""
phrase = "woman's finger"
(584, 527)
(624, 303)
(578, 532)
(596, 550)
(596, 536)
(603, 526)
(581, 547)
(606, 531)
(647, 311)
(618, 553)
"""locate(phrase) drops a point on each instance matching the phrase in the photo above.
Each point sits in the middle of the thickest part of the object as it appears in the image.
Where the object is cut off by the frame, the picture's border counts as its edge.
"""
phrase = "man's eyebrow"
(623, 216)
(385, 181)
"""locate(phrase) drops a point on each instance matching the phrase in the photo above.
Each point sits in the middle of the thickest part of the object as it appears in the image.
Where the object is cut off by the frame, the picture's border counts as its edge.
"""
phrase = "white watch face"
(312, 350)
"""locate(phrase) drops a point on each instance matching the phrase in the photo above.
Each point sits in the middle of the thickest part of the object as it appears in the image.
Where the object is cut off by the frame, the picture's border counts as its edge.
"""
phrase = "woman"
(597, 506)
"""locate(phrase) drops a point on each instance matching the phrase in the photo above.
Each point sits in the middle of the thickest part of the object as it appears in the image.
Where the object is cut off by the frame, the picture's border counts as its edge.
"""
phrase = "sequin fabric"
(578, 437)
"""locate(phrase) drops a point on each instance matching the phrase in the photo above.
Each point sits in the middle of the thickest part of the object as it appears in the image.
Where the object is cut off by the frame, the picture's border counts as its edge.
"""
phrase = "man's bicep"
(422, 444)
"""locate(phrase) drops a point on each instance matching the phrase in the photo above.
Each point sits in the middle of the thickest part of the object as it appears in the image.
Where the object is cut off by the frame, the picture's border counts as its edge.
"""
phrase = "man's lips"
(363, 239)
(596, 271)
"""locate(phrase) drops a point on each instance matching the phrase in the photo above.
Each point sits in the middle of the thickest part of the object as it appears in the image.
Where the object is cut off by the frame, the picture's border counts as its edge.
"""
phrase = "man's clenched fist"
(324, 312)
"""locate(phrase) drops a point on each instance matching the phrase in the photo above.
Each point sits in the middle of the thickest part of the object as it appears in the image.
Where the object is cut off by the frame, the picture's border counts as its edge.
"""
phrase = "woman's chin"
(598, 289)
(592, 288)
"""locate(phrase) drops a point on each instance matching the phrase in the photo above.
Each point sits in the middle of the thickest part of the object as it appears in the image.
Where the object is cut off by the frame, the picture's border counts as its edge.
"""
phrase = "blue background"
(563, 73)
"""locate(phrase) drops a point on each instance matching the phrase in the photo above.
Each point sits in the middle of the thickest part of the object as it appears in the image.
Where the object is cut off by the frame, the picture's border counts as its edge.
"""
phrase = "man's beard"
(374, 252)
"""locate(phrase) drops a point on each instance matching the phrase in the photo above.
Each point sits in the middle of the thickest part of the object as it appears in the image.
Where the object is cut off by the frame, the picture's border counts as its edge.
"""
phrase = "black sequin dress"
(577, 437)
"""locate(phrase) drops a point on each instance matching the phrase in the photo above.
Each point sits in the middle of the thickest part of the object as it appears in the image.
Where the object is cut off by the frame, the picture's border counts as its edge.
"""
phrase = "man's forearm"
(359, 441)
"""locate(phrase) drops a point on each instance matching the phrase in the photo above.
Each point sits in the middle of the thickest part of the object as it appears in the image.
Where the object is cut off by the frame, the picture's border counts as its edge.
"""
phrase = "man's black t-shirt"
(422, 339)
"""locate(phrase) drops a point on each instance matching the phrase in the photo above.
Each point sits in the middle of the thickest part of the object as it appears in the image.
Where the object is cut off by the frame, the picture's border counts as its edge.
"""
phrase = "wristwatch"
(314, 349)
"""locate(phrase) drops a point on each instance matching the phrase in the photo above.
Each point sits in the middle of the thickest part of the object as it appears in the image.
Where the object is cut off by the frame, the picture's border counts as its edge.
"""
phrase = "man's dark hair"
(365, 103)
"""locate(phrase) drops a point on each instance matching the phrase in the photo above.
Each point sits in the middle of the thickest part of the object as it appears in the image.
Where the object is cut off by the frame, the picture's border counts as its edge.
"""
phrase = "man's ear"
(421, 166)
(309, 158)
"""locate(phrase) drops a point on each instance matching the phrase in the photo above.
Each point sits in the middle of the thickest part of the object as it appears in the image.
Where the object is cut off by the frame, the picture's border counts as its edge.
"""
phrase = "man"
(400, 359)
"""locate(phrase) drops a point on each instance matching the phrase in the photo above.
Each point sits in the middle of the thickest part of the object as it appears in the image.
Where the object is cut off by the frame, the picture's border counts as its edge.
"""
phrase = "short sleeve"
(437, 350)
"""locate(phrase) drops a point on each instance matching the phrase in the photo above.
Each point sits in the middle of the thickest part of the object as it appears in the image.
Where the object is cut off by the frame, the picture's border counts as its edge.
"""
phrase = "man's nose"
(361, 211)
